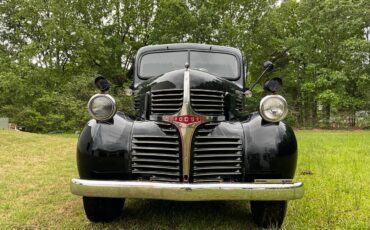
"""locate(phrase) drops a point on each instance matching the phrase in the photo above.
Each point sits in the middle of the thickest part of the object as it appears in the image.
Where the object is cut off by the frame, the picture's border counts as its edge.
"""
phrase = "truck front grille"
(157, 158)
(167, 101)
(239, 103)
(137, 103)
(216, 158)
(207, 102)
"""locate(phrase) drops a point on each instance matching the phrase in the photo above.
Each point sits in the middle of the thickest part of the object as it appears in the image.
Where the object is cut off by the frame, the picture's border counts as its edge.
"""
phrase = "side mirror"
(268, 66)
(102, 84)
(273, 85)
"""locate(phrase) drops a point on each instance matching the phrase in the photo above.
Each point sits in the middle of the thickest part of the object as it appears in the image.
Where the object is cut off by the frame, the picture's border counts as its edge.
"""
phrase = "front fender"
(271, 149)
(103, 149)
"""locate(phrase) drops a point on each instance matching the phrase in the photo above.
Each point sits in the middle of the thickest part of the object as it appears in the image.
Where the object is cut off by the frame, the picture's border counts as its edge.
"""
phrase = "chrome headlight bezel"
(264, 111)
(109, 114)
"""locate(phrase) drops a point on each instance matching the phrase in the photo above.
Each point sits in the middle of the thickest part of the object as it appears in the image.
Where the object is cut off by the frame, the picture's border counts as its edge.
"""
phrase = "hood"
(208, 94)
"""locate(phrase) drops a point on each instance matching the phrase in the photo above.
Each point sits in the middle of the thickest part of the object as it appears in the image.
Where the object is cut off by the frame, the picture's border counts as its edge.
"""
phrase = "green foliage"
(50, 52)
(321, 50)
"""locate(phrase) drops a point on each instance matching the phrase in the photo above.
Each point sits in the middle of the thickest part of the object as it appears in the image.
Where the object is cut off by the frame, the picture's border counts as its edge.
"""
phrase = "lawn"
(35, 171)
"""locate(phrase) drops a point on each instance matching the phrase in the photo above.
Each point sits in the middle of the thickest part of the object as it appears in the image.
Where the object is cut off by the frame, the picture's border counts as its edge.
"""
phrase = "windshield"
(220, 64)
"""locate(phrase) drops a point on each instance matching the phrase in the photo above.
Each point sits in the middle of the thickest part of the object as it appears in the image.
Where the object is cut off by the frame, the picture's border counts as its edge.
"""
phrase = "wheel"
(102, 209)
(268, 213)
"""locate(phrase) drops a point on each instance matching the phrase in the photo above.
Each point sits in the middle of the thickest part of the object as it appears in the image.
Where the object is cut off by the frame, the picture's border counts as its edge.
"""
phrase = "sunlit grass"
(34, 188)
(338, 190)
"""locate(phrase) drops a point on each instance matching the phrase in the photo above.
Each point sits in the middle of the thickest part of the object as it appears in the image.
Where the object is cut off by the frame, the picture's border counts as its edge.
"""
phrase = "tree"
(314, 47)
(50, 52)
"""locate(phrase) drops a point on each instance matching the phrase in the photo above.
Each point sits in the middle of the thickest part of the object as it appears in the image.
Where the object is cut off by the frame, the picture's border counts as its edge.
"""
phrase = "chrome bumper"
(261, 190)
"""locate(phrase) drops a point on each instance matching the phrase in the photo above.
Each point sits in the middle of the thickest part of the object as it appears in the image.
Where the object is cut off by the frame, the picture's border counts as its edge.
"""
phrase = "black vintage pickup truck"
(190, 140)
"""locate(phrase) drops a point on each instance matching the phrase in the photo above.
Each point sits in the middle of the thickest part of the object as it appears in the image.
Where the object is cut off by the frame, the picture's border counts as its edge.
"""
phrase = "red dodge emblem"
(186, 119)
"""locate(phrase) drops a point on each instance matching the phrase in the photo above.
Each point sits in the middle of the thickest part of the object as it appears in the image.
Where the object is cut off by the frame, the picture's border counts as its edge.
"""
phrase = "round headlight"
(273, 108)
(102, 107)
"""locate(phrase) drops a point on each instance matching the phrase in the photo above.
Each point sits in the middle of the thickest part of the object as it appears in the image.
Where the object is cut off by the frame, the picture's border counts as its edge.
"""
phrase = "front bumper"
(260, 190)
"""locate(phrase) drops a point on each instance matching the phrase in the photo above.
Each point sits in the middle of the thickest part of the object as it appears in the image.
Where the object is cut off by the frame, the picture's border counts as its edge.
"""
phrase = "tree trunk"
(314, 113)
(327, 115)
(352, 119)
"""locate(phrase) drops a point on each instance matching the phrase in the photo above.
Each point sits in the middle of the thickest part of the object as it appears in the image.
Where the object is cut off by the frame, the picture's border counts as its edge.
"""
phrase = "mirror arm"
(268, 66)
(259, 78)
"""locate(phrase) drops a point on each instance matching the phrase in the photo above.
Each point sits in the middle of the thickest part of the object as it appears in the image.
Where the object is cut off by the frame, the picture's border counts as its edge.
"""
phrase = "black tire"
(268, 213)
(102, 209)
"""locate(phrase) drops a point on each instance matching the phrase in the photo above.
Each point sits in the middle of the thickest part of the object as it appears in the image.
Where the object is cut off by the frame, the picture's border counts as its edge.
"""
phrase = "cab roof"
(189, 46)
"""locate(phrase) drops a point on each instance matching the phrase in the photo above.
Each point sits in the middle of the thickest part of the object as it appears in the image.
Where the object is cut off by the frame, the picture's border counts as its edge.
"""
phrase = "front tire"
(268, 213)
(102, 209)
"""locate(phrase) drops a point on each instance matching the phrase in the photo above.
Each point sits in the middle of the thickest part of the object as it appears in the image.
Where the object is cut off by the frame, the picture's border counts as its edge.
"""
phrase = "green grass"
(34, 188)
